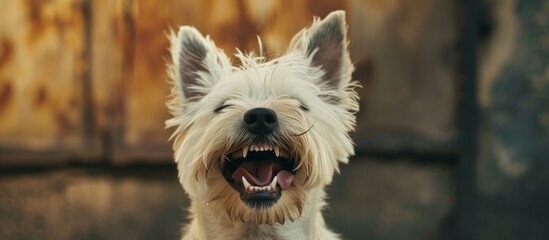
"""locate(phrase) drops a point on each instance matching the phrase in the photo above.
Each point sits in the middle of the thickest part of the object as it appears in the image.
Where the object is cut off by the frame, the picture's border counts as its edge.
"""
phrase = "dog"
(256, 144)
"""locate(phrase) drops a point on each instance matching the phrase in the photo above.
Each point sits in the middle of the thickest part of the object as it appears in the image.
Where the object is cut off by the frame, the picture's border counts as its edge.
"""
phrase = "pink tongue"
(260, 173)
(284, 179)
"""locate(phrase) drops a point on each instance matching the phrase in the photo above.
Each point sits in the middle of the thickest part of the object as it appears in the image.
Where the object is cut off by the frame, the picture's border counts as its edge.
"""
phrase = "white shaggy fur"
(310, 90)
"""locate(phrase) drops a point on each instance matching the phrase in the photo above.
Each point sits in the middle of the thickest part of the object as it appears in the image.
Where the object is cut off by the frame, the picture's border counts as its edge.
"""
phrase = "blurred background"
(452, 139)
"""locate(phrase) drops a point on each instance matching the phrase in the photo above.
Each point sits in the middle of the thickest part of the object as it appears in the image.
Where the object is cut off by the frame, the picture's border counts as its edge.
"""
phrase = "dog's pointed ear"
(325, 43)
(197, 64)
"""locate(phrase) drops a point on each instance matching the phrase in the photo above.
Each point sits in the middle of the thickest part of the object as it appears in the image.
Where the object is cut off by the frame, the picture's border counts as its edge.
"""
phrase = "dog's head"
(252, 141)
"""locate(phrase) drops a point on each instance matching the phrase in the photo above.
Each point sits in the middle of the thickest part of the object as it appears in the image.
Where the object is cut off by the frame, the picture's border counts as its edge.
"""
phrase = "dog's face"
(253, 141)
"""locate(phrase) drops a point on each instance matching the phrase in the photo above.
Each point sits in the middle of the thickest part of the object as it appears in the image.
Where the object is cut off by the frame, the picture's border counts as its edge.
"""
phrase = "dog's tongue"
(260, 173)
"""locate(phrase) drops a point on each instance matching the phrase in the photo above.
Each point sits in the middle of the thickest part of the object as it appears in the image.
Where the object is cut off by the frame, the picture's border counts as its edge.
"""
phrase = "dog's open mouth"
(259, 173)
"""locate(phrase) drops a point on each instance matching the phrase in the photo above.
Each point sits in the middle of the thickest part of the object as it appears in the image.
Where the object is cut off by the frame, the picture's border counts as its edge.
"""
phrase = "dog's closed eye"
(304, 107)
(220, 108)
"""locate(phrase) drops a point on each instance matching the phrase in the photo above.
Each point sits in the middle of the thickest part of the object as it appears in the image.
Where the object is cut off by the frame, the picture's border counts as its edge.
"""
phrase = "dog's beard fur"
(212, 150)
(310, 90)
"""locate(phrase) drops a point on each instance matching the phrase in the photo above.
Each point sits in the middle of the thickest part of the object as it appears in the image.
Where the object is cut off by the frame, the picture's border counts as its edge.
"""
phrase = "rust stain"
(74, 103)
(6, 52)
(35, 17)
(6, 94)
(41, 96)
(68, 17)
(149, 33)
(64, 122)
(321, 8)
(240, 31)
(383, 6)
(51, 16)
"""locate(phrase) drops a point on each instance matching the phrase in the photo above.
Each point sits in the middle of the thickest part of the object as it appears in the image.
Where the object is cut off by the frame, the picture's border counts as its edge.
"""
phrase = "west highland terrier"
(255, 145)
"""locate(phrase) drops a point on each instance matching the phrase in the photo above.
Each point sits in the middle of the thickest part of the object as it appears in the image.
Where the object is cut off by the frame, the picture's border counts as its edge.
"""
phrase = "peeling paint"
(6, 94)
(499, 49)
(507, 162)
(6, 52)
(41, 71)
(40, 96)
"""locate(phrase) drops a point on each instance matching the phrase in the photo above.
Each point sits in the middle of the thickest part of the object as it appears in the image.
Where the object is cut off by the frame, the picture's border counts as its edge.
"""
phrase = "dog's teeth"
(277, 151)
(246, 183)
(269, 188)
(273, 183)
(244, 152)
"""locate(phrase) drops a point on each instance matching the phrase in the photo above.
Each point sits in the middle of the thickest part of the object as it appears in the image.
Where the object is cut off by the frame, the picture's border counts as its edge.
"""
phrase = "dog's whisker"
(207, 203)
(306, 131)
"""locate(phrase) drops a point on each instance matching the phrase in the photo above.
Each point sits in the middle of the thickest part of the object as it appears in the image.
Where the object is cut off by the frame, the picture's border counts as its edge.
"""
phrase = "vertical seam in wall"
(120, 91)
(88, 112)
(469, 122)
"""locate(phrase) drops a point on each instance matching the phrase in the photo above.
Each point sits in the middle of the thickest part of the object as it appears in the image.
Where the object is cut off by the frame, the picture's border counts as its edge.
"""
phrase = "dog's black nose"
(260, 121)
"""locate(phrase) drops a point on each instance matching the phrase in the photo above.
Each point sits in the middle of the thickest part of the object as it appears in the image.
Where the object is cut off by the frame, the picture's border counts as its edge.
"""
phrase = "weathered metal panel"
(513, 166)
(406, 60)
(141, 135)
(91, 74)
(111, 51)
(42, 72)
(231, 24)
(393, 200)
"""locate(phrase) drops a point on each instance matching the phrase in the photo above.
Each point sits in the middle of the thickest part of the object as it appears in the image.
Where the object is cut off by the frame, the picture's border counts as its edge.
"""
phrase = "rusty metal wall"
(44, 116)
(85, 80)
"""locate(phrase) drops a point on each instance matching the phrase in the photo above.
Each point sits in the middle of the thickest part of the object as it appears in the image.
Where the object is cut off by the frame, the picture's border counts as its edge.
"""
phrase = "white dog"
(256, 144)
